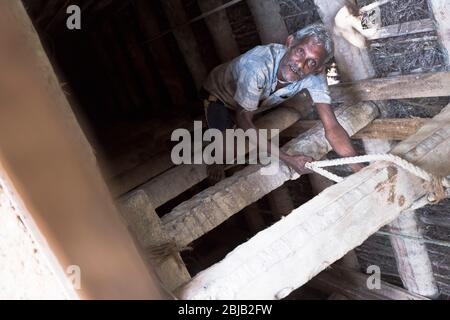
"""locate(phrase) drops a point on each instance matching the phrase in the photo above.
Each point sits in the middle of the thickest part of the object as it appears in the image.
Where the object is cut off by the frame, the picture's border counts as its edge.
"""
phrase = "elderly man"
(269, 75)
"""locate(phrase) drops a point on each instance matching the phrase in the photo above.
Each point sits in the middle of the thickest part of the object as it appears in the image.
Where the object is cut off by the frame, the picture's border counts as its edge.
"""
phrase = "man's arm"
(335, 134)
(244, 120)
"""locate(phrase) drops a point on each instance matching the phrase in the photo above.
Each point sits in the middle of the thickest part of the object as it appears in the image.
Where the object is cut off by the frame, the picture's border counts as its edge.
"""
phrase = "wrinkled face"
(300, 60)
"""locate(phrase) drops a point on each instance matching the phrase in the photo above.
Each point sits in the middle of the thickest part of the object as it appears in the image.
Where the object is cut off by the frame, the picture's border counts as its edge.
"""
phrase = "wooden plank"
(353, 285)
(441, 12)
(205, 211)
(402, 29)
(292, 251)
(389, 129)
(399, 87)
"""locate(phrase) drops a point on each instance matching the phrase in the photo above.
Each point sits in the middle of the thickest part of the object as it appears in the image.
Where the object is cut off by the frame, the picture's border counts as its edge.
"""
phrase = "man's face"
(301, 60)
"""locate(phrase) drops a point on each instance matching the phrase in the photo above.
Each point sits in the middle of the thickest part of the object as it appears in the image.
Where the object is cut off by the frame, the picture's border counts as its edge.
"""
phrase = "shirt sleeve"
(249, 88)
(318, 89)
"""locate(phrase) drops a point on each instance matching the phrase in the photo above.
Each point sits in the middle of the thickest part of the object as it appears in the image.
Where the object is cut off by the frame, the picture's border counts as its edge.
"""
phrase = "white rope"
(317, 166)
(433, 197)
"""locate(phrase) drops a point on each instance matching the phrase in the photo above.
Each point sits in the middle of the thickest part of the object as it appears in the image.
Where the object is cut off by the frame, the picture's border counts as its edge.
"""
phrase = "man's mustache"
(295, 70)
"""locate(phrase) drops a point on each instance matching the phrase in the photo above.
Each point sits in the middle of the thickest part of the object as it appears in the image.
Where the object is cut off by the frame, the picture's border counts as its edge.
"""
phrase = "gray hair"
(320, 36)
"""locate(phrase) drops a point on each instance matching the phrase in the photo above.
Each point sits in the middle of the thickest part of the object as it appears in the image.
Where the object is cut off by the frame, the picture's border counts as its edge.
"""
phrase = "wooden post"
(220, 29)
(146, 227)
(186, 40)
(288, 254)
(52, 171)
(352, 69)
(269, 22)
(160, 52)
(441, 12)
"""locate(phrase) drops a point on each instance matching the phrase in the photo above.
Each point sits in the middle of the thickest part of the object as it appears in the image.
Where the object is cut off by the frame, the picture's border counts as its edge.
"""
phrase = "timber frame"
(278, 259)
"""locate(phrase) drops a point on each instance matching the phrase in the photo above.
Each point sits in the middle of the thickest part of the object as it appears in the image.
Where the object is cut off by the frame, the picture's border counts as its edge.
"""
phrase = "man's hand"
(356, 167)
(297, 162)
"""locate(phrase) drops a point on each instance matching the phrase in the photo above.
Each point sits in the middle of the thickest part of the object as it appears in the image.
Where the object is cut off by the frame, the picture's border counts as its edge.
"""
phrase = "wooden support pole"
(288, 254)
(353, 285)
(186, 40)
(269, 22)
(354, 63)
(145, 225)
(160, 52)
(205, 211)
(220, 30)
(52, 171)
(441, 12)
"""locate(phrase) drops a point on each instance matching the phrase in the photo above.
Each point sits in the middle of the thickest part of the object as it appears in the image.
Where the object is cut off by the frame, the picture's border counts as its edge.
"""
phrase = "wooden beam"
(269, 22)
(160, 52)
(186, 40)
(183, 177)
(441, 12)
(145, 225)
(400, 87)
(386, 129)
(402, 29)
(53, 173)
(220, 30)
(353, 285)
(205, 211)
(292, 251)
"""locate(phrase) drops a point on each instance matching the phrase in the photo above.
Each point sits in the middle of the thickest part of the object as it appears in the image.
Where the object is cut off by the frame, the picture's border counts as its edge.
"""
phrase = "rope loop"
(437, 184)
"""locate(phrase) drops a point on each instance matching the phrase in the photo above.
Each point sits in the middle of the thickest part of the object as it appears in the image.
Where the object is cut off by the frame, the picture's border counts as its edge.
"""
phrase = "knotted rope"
(437, 184)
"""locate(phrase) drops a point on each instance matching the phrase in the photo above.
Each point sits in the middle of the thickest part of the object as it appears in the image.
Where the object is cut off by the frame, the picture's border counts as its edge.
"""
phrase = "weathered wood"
(353, 285)
(346, 55)
(195, 217)
(53, 174)
(292, 251)
(160, 52)
(269, 22)
(441, 12)
(399, 87)
(186, 40)
(354, 63)
(411, 256)
(145, 226)
(183, 177)
(220, 30)
(389, 129)
(416, 271)
(403, 29)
